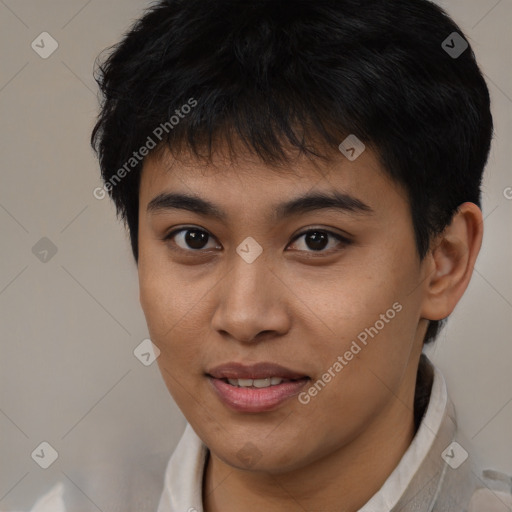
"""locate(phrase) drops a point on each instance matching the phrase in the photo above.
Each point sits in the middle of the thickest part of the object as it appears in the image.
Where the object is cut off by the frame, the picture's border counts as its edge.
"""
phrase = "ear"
(450, 262)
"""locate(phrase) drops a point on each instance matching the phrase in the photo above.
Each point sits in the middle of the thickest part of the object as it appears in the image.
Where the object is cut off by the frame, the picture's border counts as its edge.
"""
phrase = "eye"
(318, 239)
(194, 239)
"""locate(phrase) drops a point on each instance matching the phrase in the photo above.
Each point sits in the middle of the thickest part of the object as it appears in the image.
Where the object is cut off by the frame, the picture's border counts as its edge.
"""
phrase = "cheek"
(176, 315)
(161, 291)
(367, 313)
(154, 302)
(167, 318)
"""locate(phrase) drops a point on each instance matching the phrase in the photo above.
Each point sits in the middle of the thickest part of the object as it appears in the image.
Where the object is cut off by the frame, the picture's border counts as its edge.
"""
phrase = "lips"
(255, 371)
(256, 388)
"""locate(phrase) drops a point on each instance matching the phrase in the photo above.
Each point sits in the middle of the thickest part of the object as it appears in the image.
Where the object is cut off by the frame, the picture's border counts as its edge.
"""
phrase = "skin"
(300, 308)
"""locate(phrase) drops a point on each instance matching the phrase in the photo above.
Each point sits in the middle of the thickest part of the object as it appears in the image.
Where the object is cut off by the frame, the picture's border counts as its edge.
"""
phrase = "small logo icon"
(45, 455)
(44, 45)
(352, 147)
(454, 455)
(454, 45)
(249, 249)
(507, 192)
(44, 250)
(146, 352)
(249, 454)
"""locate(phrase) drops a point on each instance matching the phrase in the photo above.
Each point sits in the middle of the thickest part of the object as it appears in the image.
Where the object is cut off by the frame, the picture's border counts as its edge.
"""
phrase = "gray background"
(69, 326)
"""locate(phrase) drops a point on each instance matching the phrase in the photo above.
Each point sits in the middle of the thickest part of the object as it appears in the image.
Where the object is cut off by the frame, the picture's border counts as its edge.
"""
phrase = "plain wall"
(69, 326)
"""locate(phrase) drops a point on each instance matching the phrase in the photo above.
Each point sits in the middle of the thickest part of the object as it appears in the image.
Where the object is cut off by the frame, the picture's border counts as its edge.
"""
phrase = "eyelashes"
(191, 239)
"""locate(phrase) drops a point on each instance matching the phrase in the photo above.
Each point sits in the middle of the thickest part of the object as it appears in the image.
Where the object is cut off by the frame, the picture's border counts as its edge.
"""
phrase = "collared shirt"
(435, 474)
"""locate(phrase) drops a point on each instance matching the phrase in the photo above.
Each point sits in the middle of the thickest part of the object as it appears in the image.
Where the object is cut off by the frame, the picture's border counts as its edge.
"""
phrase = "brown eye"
(194, 239)
(316, 240)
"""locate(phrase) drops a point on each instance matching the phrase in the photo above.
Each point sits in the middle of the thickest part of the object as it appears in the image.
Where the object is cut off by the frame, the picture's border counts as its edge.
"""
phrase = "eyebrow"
(306, 203)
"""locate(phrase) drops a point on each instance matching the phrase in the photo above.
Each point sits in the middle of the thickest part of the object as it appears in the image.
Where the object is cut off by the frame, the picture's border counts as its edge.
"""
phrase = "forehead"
(245, 179)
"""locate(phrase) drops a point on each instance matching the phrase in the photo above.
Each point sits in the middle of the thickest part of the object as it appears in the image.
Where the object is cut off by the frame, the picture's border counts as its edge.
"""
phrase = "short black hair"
(304, 74)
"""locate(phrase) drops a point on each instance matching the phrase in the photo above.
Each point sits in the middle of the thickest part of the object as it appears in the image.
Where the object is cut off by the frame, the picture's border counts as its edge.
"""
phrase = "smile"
(256, 395)
(257, 383)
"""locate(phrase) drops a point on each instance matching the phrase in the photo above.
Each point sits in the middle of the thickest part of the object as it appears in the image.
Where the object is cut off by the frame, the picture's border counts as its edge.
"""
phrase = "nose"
(251, 303)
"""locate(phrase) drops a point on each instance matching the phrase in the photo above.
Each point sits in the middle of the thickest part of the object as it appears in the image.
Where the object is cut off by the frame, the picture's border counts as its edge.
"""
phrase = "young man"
(301, 183)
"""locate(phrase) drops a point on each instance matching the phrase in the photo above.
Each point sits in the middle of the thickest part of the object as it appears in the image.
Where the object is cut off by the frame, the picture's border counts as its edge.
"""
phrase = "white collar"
(419, 482)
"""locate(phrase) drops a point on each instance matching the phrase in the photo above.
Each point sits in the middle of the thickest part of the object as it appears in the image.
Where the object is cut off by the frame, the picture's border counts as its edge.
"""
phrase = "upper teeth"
(257, 383)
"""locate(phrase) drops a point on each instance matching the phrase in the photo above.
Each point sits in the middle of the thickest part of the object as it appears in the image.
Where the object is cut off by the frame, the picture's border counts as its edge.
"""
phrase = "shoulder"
(487, 500)
(496, 496)
(52, 501)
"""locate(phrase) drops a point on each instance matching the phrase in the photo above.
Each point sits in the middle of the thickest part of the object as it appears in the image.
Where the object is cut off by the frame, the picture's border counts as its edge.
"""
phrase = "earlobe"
(450, 262)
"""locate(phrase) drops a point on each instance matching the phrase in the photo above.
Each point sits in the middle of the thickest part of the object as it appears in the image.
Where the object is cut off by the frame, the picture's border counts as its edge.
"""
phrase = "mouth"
(254, 372)
(255, 388)
(258, 383)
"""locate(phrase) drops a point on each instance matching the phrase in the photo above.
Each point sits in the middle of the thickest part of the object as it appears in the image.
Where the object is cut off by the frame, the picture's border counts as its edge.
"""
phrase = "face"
(318, 298)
